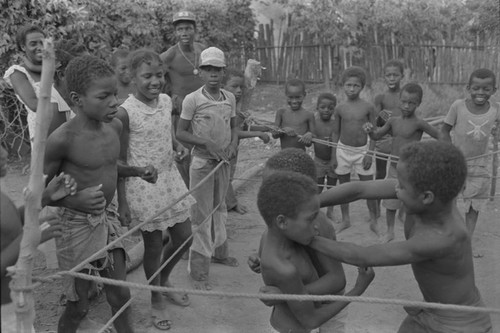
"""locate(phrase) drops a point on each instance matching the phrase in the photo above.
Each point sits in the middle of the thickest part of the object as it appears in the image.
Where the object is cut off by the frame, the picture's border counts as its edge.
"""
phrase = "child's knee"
(118, 297)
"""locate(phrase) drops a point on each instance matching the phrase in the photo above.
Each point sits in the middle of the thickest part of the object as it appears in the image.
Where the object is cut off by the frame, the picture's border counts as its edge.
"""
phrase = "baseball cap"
(212, 57)
(184, 15)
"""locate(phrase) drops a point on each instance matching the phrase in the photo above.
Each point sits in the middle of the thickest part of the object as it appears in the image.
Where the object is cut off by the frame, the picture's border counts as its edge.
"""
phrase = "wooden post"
(253, 72)
(494, 169)
(22, 272)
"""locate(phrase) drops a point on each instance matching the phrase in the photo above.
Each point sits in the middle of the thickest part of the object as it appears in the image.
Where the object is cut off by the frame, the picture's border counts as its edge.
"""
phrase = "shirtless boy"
(430, 176)
(404, 129)
(353, 151)
(296, 124)
(324, 126)
(288, 202)
(329, 274)
(87, 148)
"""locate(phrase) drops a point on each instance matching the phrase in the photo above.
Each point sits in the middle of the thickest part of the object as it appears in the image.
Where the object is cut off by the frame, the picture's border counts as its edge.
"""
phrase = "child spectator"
(92, 88)
(430, 176)
(296, 124)
(288, 202)
(387, 105)
(119, 62)
(354, 152)
(11, 230)
(324, 127)
(404, 129)
(472, 120)
(234, 82)
(210, 112)
(147, 139)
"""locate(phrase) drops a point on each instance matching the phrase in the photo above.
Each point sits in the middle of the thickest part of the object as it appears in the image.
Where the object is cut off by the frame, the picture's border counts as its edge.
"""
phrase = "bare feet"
(374, 227)
(389, 236)
(201, 284)
(228, 261)
(342, 226)
(176, 298)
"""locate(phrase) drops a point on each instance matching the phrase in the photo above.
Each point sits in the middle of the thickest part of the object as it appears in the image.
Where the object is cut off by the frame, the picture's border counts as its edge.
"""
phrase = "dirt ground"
(235, 315)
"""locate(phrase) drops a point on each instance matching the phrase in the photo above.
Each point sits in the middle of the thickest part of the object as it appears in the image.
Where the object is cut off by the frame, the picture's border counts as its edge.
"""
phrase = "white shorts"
(351, 158)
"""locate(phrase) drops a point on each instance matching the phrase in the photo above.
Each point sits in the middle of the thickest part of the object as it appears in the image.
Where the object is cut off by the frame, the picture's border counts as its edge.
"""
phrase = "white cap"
(212, 57)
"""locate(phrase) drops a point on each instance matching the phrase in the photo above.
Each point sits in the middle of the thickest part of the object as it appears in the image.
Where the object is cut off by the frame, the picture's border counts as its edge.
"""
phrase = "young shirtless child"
(87, 148)
(354, 152)
(404, 129)
(288, 202)
(324, 126)
(472, 120)
(119, 62)
(430, 176)
(296, 124)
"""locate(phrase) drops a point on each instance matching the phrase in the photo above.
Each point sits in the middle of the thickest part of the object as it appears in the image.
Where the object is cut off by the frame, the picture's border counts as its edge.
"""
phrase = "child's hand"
(270, 290)
(216, 151)
(276, 134)
(289, 131)
(365, 277)
(368, 127)
(264, 137)
(149, 174)
(254, 263)
(90, 200)
(60, 186)
(367, 161)
(306, 138)
(50, 227)
(124, 214)
(181, 153)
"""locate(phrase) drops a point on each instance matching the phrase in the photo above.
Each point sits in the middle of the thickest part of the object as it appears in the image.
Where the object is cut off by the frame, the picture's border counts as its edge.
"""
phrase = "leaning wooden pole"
(21, 291)
(494, 168)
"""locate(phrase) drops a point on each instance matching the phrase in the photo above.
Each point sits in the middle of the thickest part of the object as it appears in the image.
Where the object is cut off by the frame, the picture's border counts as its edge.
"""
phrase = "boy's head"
(410, 98)
(146, 69)
(184, 26)
(91, 84)
(393, 73)
(212, 64)
(119, 62)
(481, 86)
(288, 202)
(429, 172)
(65, 50)
(353, 81)
(29, 39)
(325, 105)
(234, 81)
(295, 91)
(290, 159)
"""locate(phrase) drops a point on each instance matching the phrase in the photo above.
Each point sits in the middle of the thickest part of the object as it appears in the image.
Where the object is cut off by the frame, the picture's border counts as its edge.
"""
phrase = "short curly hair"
(23, 32)
(65, 50)
(295, 83)
(293, 159)
(354, 71)
(328, 96)
(395, 63)
(283, 194)
(483, 73)
(413, 88)
(82, 70)
(435, 166)
(142, 56)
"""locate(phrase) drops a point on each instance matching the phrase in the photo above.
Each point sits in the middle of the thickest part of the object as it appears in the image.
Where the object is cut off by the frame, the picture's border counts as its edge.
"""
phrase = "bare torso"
(324, 131)
(404, 131)
(352, 116)
(299, 122)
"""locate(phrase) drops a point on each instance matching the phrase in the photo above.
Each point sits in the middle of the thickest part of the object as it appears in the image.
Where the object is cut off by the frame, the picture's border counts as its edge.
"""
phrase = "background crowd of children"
(137, 133)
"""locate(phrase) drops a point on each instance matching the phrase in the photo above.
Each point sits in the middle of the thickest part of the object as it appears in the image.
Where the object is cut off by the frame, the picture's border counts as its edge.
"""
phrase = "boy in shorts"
(87, 147)
(354, 152)
(438, 246)
(404, 129)
(296, 124)
(472, 120)
(324, 127)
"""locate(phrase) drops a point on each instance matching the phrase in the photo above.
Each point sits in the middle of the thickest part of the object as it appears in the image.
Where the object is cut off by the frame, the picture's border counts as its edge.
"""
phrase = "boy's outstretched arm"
(429, 129)
(444, 134)
(352, 191)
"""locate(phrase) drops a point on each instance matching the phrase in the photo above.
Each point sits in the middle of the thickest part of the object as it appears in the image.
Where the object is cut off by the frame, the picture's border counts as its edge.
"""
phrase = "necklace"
(195, 70)
(212, 98)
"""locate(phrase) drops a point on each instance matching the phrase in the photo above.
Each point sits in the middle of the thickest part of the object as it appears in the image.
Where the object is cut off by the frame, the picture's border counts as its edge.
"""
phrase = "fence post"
(494, 169)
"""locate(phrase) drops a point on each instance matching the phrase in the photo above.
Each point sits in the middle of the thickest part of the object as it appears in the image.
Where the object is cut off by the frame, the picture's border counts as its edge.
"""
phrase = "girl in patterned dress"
(147, 139)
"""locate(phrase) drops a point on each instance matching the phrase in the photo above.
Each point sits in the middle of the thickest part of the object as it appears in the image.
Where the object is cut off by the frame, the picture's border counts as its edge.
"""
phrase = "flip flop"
(159, 319)
(228, 261)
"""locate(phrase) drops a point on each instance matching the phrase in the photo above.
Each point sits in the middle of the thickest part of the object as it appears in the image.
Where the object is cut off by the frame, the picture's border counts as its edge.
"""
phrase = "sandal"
(228, 261)
(159, 319)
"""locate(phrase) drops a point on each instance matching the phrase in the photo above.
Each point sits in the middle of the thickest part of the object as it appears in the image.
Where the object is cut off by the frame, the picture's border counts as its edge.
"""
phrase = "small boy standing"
(404, 129)
(324, 127)
(119, 62)
(438, 247)
(472, 120)
(354, 152)
(210, 113)
(92, 89)
(296, 121)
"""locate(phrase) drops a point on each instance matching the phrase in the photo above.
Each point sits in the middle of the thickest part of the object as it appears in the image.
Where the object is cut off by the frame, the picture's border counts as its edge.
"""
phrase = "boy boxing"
(87, 148)
(404, 129)
(430, 176)
(472, 120)
(353, 151)
(296, 124)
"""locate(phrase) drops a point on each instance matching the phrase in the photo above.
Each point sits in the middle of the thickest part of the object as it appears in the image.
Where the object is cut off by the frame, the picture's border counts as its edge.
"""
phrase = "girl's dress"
(150, 143)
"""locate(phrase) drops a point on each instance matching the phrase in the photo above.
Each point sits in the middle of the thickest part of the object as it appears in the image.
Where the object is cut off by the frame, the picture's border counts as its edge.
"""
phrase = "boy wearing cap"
(210, 113)
(182, 75)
